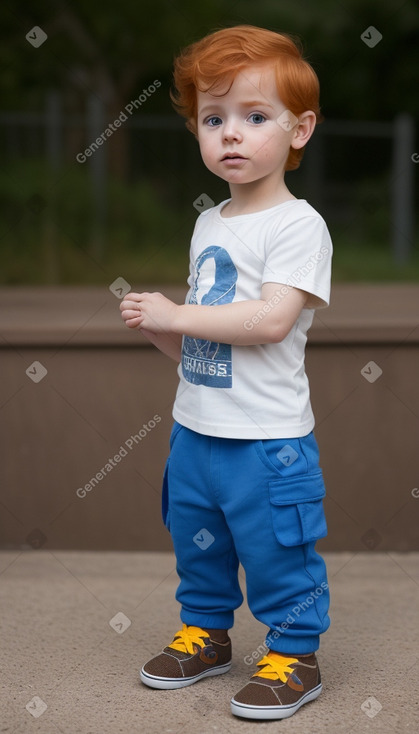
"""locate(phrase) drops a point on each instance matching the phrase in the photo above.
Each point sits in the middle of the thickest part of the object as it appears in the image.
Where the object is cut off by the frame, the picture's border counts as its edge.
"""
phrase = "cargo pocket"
(297, 508)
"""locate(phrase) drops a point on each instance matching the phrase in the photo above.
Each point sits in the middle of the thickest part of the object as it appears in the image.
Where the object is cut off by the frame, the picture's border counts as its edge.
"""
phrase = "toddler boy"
(242, 482)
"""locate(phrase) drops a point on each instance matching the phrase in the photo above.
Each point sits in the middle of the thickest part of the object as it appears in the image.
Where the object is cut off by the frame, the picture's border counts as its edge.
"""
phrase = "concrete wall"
(104, 385)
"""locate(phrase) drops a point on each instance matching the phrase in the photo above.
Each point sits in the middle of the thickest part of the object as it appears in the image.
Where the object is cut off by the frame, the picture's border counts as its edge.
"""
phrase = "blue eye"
(257, 118)
(214, 121)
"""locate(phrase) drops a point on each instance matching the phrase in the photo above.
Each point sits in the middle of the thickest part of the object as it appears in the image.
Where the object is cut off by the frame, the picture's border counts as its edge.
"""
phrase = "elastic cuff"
(222, 621)
(297, 645)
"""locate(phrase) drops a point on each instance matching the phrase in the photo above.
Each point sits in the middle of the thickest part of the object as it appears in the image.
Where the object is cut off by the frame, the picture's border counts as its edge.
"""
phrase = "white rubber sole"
(168, 684)
(247, 711)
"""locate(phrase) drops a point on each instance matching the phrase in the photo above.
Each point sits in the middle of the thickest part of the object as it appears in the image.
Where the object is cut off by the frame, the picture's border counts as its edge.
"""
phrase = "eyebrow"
(251, 103)
(257, 103)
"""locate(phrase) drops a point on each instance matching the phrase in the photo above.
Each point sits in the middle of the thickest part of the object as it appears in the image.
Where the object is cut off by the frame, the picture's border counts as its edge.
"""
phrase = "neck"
(256, 196)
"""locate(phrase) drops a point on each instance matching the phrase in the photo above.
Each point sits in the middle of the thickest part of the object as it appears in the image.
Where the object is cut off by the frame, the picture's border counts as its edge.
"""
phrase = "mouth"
(233, 158)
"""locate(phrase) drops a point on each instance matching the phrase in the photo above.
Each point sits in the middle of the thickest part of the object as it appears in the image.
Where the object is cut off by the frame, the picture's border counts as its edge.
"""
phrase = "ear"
(303, 130)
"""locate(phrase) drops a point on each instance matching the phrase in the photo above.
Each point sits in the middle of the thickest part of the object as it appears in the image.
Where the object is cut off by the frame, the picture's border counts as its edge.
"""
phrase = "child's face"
(245, 122)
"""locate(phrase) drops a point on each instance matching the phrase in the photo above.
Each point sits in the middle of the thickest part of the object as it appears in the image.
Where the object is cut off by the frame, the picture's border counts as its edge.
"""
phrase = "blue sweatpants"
(255, 502)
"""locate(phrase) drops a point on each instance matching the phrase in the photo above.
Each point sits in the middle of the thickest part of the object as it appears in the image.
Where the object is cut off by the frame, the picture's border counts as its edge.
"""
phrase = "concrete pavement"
(77, 626)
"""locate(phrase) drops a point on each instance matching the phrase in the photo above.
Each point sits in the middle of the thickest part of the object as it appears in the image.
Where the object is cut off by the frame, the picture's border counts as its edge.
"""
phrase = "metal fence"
(82, 140)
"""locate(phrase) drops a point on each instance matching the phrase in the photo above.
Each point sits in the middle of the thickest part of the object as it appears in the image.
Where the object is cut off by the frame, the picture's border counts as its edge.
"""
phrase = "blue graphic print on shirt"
(205, 362)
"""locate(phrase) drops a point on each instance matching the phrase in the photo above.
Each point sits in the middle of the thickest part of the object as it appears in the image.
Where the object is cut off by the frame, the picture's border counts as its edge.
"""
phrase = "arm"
(263, 321)
(168, 343)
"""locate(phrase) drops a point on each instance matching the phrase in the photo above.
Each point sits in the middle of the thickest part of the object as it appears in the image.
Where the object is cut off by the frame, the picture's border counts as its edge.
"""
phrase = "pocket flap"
(295, 490)
(297, 508)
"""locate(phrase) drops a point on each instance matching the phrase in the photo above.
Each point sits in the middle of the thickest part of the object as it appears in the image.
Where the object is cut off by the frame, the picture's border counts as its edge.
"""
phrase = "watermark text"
(133, 105)
(121, 454)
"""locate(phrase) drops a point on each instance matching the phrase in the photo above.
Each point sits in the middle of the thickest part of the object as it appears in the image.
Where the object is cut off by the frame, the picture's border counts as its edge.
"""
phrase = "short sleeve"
(299, 253)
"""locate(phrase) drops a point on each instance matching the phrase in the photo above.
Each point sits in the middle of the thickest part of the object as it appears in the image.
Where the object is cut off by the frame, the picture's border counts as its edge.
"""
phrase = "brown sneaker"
(191, 656)
(279, 688)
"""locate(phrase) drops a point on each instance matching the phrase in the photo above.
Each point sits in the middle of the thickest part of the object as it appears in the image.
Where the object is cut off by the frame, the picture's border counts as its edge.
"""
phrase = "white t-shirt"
(261, 391)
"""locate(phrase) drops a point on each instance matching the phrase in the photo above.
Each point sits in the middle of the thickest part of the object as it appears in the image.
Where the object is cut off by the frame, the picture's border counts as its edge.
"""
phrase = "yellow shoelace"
(187, 637)
(275, 667)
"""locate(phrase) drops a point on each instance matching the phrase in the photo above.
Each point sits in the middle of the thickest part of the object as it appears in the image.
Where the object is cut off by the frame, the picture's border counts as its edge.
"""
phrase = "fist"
(131, 310)
(151, 311)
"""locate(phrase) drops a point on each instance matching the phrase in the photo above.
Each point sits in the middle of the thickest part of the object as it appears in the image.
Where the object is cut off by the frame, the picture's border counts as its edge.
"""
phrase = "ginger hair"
(215, 60)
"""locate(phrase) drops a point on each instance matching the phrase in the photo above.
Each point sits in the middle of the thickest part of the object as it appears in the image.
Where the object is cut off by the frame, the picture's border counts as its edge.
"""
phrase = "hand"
(150, 311)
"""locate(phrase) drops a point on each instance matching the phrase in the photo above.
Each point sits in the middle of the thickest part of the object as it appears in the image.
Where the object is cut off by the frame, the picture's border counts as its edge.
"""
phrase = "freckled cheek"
(267, 151)
(266, 146)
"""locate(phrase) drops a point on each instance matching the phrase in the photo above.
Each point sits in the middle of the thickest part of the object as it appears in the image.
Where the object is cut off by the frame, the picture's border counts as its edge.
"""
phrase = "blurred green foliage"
(49, 239)
(47, 231)
(113, 50)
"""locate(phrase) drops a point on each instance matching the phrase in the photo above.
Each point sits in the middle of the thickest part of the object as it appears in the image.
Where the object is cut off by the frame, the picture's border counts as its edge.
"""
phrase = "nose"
(232, 130)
